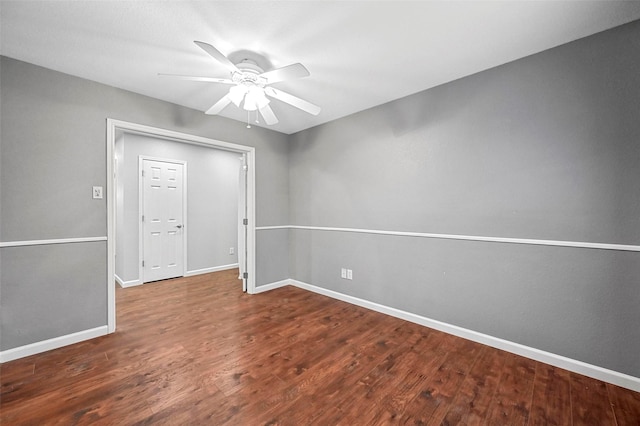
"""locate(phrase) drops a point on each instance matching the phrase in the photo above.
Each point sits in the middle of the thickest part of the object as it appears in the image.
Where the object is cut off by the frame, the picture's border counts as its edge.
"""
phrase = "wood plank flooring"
(199, 351)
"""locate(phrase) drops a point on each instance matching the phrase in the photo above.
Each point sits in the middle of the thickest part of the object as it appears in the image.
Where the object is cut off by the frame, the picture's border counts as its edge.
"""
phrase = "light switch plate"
(97, 192)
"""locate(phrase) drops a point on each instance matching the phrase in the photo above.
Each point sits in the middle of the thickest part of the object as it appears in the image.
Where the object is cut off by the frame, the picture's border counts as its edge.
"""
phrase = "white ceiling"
(360, 53)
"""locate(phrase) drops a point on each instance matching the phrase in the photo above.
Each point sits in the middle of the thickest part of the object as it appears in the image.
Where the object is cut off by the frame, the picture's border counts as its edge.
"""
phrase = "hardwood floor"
(199, 351)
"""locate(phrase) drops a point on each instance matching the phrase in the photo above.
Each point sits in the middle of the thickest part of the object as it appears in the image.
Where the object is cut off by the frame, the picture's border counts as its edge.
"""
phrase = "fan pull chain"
(248, 125)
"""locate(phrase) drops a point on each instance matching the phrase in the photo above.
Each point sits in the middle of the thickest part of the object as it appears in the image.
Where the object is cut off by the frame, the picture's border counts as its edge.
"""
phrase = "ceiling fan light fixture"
(250, 100)
(262, 100)
(236, 94)
(255, 99)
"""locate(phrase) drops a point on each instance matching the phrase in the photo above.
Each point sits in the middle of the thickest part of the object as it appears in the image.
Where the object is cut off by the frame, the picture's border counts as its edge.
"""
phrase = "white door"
(162, 220)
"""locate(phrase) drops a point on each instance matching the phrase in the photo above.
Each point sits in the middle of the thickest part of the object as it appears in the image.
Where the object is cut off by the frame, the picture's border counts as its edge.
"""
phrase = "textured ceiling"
(360, 54)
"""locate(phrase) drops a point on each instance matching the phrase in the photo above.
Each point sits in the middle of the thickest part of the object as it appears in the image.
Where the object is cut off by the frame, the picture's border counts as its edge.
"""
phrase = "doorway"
(246, 226)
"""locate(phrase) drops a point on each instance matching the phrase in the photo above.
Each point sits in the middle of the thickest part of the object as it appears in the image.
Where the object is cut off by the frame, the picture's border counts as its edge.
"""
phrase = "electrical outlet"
(349, 274)
(343, 273)
(232, 250)
(97, 192)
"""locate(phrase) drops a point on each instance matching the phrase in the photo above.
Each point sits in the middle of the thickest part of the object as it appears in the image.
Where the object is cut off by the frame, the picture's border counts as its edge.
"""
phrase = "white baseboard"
(125, 284)
(271, 286)
(132, 283)
(606, 375)
(55, 343)
(209, 270)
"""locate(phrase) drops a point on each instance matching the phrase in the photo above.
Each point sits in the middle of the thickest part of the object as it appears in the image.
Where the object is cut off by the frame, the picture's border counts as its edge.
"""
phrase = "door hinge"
(143, 218)
(245, 275)
(245, 221)
(143, 263)
(143, 173)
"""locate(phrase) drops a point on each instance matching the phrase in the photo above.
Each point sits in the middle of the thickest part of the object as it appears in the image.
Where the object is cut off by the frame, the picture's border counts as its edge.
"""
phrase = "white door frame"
(113, 126)
(141, 159)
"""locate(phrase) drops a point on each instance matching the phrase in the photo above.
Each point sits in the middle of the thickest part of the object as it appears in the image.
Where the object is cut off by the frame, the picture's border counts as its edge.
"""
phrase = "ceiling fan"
(251, 85)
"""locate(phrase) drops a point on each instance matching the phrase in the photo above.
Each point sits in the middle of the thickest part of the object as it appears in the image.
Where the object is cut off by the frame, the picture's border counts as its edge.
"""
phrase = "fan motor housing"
(249, 74)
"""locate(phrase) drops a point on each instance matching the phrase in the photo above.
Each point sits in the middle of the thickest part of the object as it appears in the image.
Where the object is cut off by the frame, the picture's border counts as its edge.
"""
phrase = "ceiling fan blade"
(216, 54)
(292, 100)
(197, 78)
(268, 115)
(219, 106)
(285, 73)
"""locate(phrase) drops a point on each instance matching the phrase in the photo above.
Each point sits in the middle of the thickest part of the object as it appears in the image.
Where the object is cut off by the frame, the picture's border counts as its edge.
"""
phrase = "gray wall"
(53, 290)
(212, 202)
(52, 151)
(541, 148)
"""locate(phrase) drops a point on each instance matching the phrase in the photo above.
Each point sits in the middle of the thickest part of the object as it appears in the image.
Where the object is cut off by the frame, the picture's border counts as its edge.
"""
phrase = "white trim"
(55, 343)
(251, 217)
(242, 215)
(111, 226)
(610, 376)
(126, 284)
(175, 136)
(575, 244)
(211, 269)
(54, 241)
(112, 127)
(272, 286)
(133, 283)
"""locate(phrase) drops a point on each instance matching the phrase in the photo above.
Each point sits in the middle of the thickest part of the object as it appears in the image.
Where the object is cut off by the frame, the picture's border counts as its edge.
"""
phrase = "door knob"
(178, 226)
